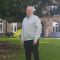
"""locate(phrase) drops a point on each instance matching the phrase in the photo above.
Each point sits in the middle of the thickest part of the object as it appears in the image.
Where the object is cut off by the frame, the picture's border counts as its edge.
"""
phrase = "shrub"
(18, 33)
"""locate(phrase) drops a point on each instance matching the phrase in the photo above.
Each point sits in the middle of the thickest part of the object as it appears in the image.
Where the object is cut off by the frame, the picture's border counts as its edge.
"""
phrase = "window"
(55, 27)
(14, 27)
(1, 26)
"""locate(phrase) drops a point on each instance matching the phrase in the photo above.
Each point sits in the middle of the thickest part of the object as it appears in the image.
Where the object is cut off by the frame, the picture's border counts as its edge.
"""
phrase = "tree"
(13, 10)
(42, 7)
(58, 10)
(10, 9)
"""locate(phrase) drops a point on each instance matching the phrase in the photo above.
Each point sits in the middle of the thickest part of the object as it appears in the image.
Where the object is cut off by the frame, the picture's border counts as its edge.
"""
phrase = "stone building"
(51, 25)
(6, 27)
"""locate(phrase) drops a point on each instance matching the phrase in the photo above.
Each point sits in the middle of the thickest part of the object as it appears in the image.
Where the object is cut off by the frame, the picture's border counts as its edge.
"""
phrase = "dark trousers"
(31, 49)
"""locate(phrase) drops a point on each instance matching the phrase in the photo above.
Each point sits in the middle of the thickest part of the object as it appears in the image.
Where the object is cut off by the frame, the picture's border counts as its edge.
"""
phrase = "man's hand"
(34, 42)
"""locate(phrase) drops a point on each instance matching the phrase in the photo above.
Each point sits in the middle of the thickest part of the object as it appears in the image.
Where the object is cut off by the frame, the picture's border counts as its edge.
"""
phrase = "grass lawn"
(49, 49)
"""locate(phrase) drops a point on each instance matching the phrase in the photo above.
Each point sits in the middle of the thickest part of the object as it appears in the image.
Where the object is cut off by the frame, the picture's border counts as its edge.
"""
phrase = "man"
(31, 30)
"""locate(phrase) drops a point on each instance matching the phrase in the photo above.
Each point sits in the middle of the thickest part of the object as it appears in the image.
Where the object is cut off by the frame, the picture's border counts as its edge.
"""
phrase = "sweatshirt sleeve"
(22, 35)
(39, 28)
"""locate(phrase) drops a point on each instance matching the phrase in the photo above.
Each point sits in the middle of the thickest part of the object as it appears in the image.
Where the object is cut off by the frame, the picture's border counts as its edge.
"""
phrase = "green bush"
(18, 33)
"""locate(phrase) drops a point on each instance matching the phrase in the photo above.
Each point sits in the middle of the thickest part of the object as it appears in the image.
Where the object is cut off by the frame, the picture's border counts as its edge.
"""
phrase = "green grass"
(49, 48)
(10, 40)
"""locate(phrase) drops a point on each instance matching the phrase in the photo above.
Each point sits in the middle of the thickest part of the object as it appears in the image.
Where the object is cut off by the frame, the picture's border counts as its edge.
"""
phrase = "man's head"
(29, 10)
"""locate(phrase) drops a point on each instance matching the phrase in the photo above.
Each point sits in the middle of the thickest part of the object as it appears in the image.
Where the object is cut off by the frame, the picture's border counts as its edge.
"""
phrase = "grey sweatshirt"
(31, 28)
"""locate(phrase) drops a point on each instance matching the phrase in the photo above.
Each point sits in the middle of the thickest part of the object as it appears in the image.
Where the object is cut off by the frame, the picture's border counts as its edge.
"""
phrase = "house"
(51, 26)
(6, 27)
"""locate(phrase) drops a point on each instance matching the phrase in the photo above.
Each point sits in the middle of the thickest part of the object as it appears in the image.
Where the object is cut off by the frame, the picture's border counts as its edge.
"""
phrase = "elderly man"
(31, 30)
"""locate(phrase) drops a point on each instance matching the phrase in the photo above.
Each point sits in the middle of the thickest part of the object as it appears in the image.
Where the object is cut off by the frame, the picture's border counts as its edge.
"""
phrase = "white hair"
(32, 7)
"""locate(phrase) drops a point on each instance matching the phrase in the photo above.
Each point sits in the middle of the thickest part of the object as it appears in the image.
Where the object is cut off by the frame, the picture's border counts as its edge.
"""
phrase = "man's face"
(29, 11)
